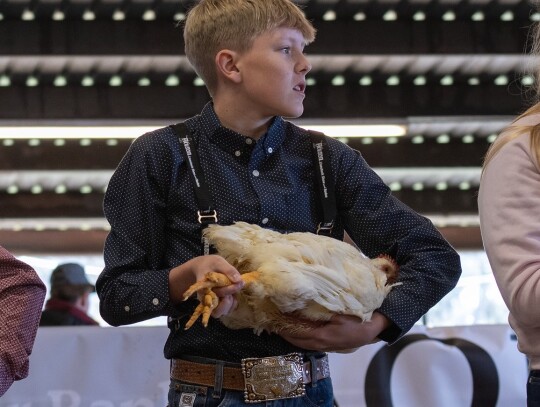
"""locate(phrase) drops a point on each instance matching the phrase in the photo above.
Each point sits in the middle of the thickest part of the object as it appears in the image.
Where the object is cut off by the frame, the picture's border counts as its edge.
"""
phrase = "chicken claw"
(209, 300)
(208, 303)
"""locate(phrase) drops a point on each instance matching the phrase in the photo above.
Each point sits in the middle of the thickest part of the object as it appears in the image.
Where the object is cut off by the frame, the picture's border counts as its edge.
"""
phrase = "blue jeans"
(181, 395)
(533, 389)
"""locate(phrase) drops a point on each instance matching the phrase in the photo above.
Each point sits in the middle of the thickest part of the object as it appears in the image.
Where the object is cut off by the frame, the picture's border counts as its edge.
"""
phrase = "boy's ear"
(226, 65)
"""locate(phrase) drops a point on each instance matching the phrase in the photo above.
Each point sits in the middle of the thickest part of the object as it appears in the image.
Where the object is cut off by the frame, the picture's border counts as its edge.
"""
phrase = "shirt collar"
(232, 141)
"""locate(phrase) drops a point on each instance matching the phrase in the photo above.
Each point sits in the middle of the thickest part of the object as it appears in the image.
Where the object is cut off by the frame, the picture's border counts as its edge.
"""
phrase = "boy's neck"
(236, 118)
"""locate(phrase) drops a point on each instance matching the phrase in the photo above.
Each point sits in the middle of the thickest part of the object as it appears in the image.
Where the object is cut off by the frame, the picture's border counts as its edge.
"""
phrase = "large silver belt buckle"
(273, 378)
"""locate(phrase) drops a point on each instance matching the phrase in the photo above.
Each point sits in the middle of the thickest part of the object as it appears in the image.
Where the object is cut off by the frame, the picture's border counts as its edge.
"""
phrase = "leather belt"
(233, 379)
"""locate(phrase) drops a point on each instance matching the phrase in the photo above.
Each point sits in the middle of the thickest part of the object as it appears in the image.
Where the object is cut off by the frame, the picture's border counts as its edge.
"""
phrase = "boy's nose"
(304, 64)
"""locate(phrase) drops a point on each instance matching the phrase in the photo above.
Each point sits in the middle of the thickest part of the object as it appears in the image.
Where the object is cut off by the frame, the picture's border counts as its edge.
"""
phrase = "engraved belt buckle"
(273, 378)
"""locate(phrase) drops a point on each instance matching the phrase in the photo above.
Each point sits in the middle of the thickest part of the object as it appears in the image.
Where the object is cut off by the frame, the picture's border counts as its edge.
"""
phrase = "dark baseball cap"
(70, 274)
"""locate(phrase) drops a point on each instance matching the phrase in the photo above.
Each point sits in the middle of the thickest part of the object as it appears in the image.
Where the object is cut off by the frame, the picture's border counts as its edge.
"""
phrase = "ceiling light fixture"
(149, 15)
(118, 15)
(449, 16)
(330, 15)
(419, 16)
(58, 15)
(360, 16)
(5, 80)
(32, 81)
(390, 15)
(478, 16)
(338, 80)
(198, 81)
(507, 16)
(88, 15)
(172, 80)
(28, 15)
(87, 80)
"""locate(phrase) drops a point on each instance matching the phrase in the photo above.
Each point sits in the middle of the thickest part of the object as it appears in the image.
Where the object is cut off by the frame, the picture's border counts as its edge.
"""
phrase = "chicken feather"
(291, 276)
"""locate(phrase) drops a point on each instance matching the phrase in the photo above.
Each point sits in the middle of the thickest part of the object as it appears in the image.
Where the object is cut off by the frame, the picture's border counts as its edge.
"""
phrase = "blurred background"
(420, 87)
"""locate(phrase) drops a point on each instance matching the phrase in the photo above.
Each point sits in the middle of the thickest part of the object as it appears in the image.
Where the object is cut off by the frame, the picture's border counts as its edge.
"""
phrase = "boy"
(242, 161)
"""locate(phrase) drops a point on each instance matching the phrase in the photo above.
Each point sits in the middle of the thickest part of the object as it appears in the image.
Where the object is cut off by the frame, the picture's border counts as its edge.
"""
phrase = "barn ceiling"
(453, 72)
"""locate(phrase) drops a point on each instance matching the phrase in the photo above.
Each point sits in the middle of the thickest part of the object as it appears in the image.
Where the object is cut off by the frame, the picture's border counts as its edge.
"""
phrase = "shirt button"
(265, 221)
(270, 150)
(255, 173)
(155, 301)
(248, 140)
(237, 153)
(126, 308)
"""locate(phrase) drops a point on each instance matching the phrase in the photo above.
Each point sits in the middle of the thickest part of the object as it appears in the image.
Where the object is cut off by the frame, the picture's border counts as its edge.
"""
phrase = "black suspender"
(322, 173)
(206, 214)
(324, 181)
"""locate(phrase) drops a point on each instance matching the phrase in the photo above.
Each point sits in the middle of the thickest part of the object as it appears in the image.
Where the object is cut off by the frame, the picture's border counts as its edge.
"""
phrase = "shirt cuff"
(390, 334)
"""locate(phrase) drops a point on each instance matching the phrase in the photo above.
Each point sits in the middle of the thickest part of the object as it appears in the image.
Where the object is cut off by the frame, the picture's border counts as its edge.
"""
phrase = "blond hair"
(514, 130)
(213, 25)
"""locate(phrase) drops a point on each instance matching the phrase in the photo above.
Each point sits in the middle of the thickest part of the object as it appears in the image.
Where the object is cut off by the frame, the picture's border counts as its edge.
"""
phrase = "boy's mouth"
(300, 87)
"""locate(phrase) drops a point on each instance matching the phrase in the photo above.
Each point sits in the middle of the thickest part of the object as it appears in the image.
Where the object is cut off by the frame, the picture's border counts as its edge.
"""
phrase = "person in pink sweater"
(509, 208)
(21, 297)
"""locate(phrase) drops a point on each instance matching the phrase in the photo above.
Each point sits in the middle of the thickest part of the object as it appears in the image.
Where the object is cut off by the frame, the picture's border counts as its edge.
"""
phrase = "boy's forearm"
(130, 297)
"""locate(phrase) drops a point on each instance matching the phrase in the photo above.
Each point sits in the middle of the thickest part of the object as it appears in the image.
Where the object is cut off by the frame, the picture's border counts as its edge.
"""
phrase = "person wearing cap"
(70, 297)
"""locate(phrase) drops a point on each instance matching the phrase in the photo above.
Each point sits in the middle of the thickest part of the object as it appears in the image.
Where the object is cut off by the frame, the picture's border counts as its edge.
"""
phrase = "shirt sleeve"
(22, 294)
(509, 208)
(134, 284)
(379, 223)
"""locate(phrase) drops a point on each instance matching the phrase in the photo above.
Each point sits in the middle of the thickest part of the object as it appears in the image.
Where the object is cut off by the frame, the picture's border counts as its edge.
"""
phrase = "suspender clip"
(206, 217)
(325, 228)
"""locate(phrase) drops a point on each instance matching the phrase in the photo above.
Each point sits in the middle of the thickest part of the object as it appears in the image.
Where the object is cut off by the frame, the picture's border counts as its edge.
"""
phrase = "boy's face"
(273, 73)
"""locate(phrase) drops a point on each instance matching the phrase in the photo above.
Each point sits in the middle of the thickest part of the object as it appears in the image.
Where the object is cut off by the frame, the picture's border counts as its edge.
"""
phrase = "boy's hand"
(183, 276)
(341, 333)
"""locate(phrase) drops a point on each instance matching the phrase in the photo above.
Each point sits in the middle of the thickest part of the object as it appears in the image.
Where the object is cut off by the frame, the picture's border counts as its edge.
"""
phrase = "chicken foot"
(208, 299)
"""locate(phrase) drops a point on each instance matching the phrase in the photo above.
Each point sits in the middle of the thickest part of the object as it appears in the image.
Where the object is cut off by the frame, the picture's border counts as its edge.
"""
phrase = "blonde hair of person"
(213, 25)
(513, 130)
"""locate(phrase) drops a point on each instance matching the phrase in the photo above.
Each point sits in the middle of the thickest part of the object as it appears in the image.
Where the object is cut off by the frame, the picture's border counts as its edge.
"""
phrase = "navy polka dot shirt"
(151, 207)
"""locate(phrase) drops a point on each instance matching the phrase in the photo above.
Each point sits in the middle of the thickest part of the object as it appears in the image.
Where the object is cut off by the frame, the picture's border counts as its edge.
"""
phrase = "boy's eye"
(286, 50)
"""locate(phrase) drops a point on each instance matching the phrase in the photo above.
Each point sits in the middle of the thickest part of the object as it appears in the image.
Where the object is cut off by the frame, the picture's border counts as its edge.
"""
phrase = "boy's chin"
(292, 114)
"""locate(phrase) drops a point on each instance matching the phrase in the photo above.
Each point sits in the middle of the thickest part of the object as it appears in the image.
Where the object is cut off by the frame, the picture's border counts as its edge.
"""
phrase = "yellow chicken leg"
(208, 299)
(208, 303)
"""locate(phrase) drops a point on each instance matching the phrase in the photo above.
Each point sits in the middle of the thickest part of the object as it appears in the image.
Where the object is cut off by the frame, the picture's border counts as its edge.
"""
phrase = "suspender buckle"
(206, 217)
(325, 228)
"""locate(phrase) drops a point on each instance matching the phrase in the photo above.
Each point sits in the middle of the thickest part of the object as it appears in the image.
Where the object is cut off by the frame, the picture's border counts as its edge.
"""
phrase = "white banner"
(124, 367)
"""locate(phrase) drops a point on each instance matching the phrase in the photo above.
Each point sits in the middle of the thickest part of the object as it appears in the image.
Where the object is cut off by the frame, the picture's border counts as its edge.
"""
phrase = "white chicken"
(290, 277)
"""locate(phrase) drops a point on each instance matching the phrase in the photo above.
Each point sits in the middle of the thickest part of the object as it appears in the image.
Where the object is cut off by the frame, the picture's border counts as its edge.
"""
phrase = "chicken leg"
(208, 298)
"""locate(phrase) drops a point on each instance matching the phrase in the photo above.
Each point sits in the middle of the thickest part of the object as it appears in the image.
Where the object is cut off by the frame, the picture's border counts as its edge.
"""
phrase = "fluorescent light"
(373, 130)
(73, 132)
(65, 224)
(132, 132)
